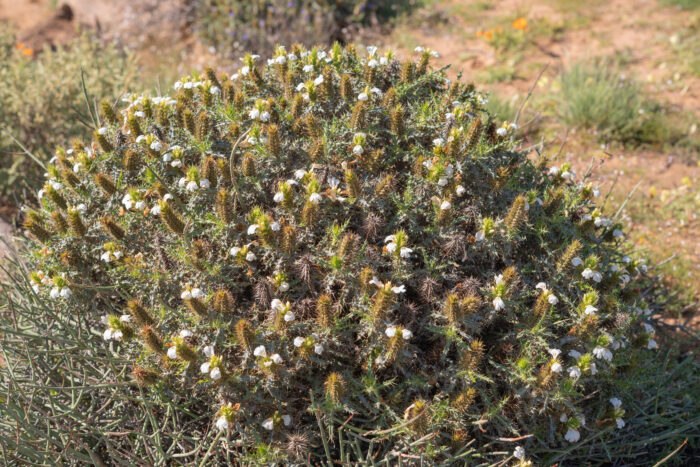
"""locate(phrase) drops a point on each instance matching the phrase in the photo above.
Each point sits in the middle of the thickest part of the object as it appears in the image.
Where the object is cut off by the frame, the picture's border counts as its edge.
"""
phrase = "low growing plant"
(42, 102)
(340, 255)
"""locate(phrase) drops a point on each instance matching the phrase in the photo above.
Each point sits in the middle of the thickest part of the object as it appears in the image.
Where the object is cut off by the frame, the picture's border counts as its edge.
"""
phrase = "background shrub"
(42, 102)
(234, 26)
(343, 240)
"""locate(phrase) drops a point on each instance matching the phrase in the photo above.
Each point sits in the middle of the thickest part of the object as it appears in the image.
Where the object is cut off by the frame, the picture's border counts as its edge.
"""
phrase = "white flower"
(276, 358)
(439, 142)
(287, 420)
(289, 317)
(445, 205)
(617, 233)
(554, 353)
(501, 131)
(588, 273)
(139, 205)
(204, 368)
(192, 186)
(372, 63)
(390, 331)
(318, 349)
(376, 91)
(172, 353)
(371, 50)
(418, 49)
(556, 367)
(442, 181)
(254, 113)
(541, 285)
(498, 304)
(574, 372)
(319, 80)
(208, 350)
(620, 422)
(185, 333)
(250, 256)
(252, 229)
(460, 190)
(275, 226)
(308, 68)
(221, 423)
(399, 289)
(156, 145)
(498, 279)
(315, 198)
(66, 292)
(552, 299)
(155, 210)
(215, 373)
(383, 60)
(260, 351)
(406, 252)
(519, 452)
(298, 341)
(204, 183)
(139, 114)
(617, 403)
(268, 424)
(652, 344)
(55, 293)
(125, 318)
(602, 353)
(362, 96)
(106, 257)
(590, 310)
(594, 369)
(265, 116)
(554, 170)
(406, 334)
(563, 418)
(375, 281)
(574, 354)
(214, 90)
(127, 202)
(108, 334)
(197, 293)
(284, 286)
(391, 247)
(279, 197)
(572, 435)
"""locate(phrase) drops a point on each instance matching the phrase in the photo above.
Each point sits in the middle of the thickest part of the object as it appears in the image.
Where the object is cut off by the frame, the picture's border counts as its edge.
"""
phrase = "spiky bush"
(344, 238)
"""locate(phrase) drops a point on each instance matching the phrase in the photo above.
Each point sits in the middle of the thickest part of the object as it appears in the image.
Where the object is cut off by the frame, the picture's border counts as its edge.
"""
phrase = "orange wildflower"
(520, 23)
(28, 51)
(488, 34)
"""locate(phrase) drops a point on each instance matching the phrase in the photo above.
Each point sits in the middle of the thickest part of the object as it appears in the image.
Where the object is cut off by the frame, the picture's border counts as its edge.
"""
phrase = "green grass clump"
(337, 255)
(42, 100)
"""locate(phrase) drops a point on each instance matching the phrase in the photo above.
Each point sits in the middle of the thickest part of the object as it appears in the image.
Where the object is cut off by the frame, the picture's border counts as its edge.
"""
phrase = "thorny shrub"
(346, 236)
